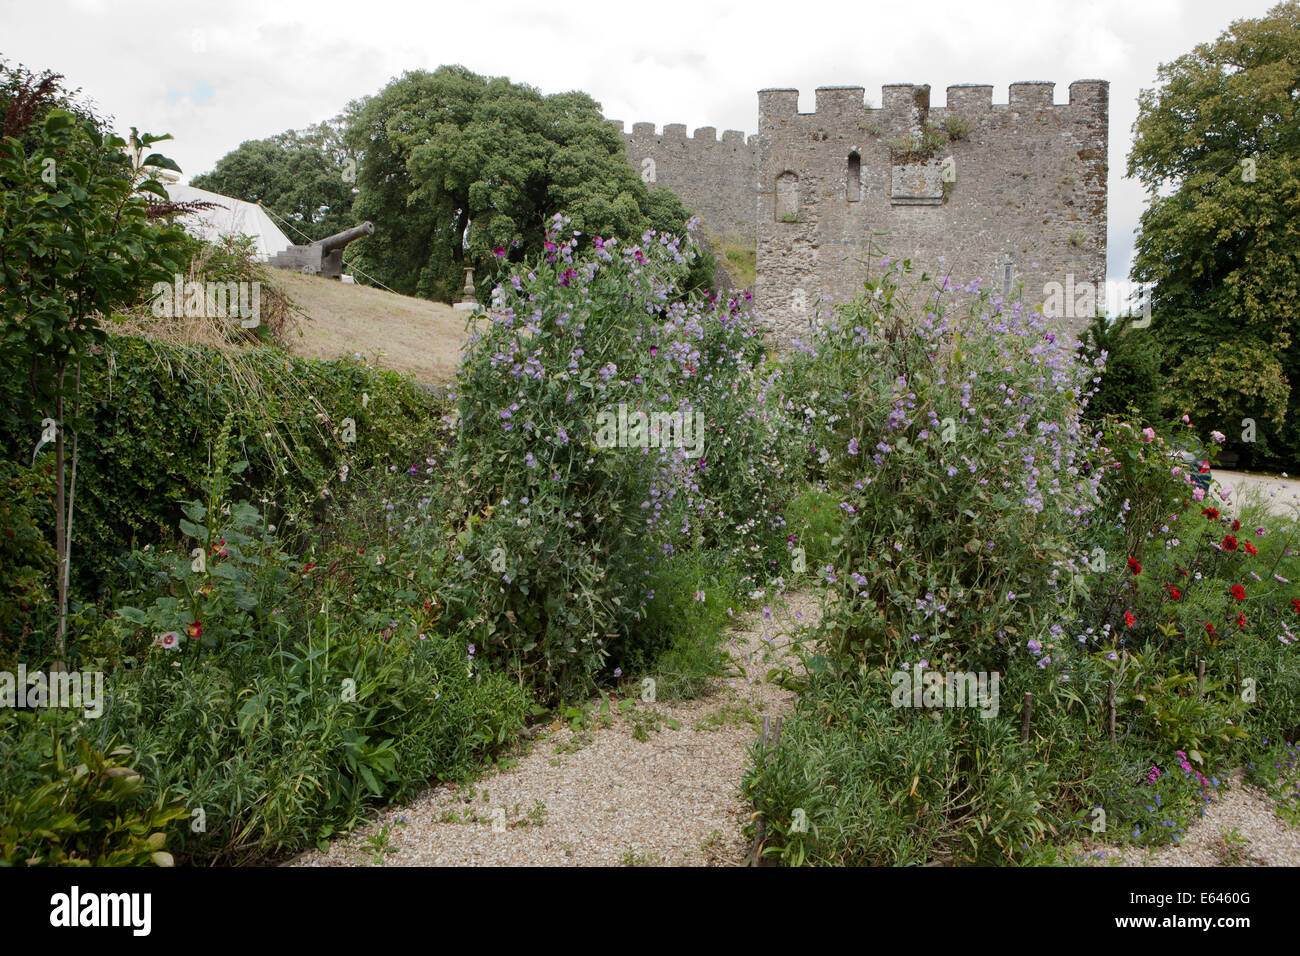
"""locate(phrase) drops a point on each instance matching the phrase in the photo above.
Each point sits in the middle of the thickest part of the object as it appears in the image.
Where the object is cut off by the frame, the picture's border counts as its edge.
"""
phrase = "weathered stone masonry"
(1024, 201)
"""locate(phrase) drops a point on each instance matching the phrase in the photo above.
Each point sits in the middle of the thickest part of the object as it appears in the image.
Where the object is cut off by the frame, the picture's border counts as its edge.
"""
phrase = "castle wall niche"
(1006, 193)
(712, 175)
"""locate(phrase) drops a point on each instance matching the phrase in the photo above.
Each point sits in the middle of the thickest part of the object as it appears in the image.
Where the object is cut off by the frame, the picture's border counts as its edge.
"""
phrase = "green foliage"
(152, 411)
(94, 810)
(280, 697)
(958, 458)
(1217, 148)
(679, 639)
(1144, 481)
(303, 176)
(445, 149)
(565, 523)
(956, 128)
(1130, 371)
(813, 520)
(913, 412)
(77, 242)
(26, 557)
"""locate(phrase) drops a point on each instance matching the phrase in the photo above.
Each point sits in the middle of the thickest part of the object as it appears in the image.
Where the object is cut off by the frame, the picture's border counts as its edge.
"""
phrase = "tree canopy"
(1217, 145)
(304, 176)
(450, 150)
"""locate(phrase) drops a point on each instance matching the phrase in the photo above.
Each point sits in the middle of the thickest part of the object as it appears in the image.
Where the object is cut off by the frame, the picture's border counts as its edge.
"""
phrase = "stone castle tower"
(1012, 194)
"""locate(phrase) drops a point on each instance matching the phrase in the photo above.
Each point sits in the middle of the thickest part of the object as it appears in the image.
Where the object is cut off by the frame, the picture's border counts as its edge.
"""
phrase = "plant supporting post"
(770, 738)
(1110, 698)
(1200, 678)
(1024, 721)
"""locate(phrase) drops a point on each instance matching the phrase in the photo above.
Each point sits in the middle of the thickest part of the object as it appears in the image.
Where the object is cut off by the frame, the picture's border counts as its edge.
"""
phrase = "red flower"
(1229, 543)
(1173, 592)
(1129, 619)
(1134, 567)
(1250, 548)
(1238, 592)
(1209, 628)
(1236, 525)
(1241, 619)
(1211, 513)
(195, 631)
(1295, 603)
(1205, 467)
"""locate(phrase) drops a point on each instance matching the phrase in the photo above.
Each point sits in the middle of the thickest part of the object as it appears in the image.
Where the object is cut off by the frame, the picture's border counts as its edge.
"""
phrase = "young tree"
(76, 244)
(1217, 146)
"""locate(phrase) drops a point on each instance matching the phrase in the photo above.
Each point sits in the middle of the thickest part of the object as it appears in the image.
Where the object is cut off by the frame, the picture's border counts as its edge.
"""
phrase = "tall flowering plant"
(593, 405)
(950, 428)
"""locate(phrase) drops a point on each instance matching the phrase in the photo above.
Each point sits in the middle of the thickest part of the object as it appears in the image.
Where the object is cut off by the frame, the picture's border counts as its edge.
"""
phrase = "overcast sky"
(216, 74)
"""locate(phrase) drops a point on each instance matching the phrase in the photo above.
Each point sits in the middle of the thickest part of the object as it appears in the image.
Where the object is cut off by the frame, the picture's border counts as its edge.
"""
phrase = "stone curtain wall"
(714, 177)
(1028, 191)
(1018, 186)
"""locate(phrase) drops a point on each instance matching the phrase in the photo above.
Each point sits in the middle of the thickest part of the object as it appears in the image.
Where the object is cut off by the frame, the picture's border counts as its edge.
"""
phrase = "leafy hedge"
(154, 411)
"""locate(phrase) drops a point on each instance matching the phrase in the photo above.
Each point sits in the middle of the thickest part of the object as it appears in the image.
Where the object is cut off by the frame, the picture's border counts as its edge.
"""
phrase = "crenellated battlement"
(713, 175)
(1012, 193)
(902, 99)
(704, 136)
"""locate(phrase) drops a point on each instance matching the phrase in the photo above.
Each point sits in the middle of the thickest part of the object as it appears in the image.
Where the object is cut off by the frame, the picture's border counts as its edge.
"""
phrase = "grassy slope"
(394, 331)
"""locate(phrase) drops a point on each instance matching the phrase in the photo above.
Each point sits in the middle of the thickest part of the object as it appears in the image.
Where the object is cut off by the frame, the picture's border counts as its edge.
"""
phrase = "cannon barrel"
(341, 239)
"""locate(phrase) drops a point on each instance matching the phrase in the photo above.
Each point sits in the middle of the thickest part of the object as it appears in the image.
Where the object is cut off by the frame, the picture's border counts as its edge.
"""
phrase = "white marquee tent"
(233, 217)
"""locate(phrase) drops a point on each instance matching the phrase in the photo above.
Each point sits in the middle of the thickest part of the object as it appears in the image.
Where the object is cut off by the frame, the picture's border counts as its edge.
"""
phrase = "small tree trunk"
(60, 532)
(72, 502)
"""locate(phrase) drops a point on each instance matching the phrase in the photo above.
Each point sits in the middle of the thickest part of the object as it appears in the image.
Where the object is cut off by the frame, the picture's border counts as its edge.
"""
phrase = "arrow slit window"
(787, 197)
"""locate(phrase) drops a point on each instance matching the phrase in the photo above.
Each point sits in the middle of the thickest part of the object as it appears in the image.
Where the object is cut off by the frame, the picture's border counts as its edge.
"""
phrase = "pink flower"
(1148, 434)
(1218, 437)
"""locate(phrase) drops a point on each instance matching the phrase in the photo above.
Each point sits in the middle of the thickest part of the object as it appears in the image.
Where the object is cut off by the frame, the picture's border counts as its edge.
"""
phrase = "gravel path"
(1240, 828)
(602, 796)
(1280, 495)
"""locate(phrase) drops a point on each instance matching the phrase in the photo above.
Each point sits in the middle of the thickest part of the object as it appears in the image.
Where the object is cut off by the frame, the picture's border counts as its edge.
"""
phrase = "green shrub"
(679, 639)
(94, 810)
(952, 440)
(563, 524)
(280, 698)
(154, 411)
(26, 557)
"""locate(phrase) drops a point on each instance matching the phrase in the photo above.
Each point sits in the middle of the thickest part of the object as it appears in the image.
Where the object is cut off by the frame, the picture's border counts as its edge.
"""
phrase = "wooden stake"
(1200, 678)
(1024, 723)
(760, 825)
(1110, 697)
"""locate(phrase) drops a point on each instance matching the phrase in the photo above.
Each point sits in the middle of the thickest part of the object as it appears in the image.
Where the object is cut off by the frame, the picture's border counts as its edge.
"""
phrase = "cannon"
(323, 257)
